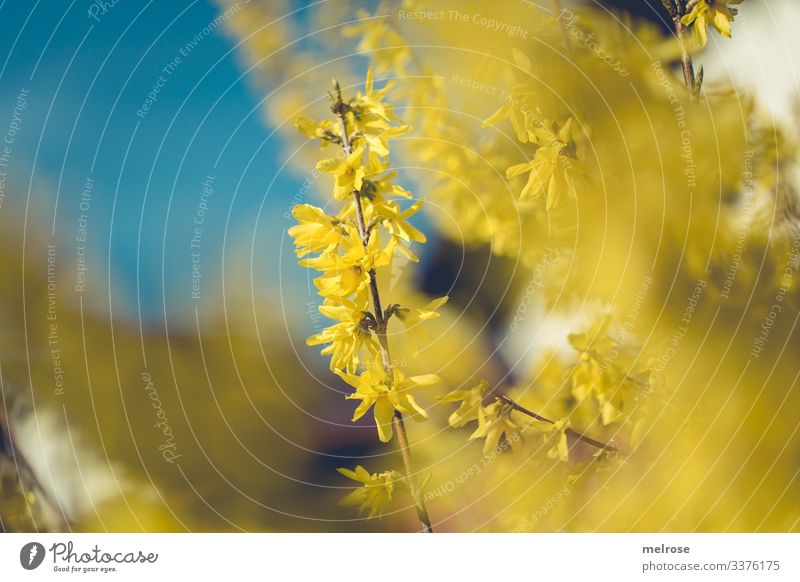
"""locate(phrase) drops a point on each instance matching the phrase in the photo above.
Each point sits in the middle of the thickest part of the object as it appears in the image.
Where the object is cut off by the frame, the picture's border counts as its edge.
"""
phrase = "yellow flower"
(519, 110)
(375, 495)
(368, 119)
(346, 338)
(494, 420)
(705, 13)
(377, 186)
(411, 318)
(369, 106)
(494, 423)
(324, 131)
(594, 373)
(560, 450)
(377, 136)
(348, 173)
(348, 273)
(386, 47)
(607, 370)
(596, 338)
(429, 311)
(471, 405)
(316, 232)
(394, 220)
(388, 214)
(374, 389)
(552, 168)
(587, 377)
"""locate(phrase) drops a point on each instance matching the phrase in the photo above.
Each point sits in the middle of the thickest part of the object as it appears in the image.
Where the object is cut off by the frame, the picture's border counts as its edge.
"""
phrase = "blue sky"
(87, 78)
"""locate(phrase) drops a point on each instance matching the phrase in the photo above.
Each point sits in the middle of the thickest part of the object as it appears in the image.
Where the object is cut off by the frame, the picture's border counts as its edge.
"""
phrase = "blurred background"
(153, 364)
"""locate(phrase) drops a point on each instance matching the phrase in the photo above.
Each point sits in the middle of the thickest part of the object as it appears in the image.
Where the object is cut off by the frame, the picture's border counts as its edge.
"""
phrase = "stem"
(381, 324)
(573, 433)
(405, 452)
(676, 12)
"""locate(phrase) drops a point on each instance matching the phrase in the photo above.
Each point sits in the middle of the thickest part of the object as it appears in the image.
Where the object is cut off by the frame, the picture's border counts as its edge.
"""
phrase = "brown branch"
(405, 452)
(573, 433)
(381, 324)
(676, 12)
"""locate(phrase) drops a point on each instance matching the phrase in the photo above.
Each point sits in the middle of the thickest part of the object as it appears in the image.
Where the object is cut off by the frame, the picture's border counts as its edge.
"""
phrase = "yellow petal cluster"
(493, 418)
(348, 258)
(351, 250)
(609, 372)
(715, 13)
(374, 390)
(374, 497)
(553, 169)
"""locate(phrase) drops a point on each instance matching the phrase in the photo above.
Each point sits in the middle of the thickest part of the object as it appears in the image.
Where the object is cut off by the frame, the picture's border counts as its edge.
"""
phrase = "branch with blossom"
(370, 229)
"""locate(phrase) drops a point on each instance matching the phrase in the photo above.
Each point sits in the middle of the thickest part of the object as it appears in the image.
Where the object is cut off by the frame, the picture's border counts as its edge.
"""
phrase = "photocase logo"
(31, 555)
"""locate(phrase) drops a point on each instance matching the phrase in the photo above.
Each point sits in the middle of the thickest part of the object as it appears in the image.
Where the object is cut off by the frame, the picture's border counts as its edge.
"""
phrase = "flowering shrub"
(552, 255)
(359, 242)
(648, 215)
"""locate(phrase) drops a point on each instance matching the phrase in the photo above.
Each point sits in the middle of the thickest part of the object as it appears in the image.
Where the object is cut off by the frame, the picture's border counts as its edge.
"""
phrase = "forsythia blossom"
(560, 449)
(705, 13)
(375, 495)
(554, 167)
(607, 371)
(388, 48)
(494, 419)
(374, 389)
(369, 231)
(574, 119)
(347, 338)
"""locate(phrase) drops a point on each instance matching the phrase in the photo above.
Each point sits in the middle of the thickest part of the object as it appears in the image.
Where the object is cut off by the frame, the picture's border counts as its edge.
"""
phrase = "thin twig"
(381, 324)
(676, 12)
(573, 433)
